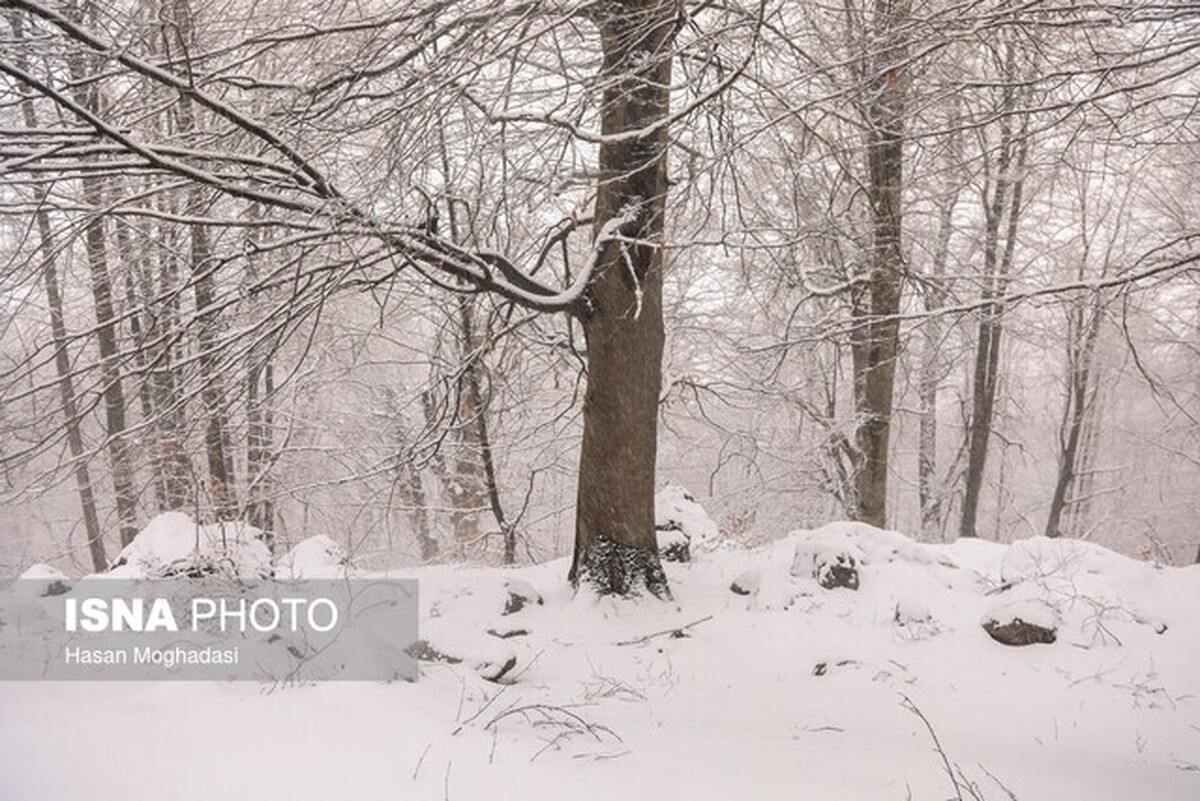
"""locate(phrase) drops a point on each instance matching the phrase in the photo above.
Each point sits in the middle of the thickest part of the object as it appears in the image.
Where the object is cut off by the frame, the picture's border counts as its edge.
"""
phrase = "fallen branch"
(674, 632)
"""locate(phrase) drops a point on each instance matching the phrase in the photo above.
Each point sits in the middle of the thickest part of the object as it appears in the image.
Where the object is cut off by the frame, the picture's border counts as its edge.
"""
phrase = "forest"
(706, 399)
(469, 280)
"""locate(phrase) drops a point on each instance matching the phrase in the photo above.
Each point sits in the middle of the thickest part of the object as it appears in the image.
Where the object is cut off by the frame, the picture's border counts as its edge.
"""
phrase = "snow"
(319, 557)
(172, 544)
(682, 523)
(1034, 611)
(790, 691)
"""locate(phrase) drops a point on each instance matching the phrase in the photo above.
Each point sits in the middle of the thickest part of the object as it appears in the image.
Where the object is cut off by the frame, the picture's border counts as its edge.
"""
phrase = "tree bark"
(996, 266)
(878, 335)
(478, 426)
(1081, 395)
(616, 550)
(96, 249)
(260, 425)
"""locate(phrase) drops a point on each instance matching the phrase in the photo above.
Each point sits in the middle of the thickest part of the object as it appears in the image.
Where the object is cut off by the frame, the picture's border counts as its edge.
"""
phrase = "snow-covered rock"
(318, 557)
(1022, 622)
(520, 595)
(747, 582)
(43, 580)
(681, 523)
(489, 656)
(829, 557)
(172, 544)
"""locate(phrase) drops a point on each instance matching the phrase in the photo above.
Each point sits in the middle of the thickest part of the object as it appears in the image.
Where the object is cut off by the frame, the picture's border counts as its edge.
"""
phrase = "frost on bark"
(616, 550)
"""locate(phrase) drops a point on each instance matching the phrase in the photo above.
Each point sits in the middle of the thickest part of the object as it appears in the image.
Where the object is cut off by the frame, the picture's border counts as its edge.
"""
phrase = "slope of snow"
(785, 691)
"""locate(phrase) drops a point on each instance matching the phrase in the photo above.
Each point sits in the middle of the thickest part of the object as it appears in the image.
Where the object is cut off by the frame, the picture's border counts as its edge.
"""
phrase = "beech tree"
(226, 142)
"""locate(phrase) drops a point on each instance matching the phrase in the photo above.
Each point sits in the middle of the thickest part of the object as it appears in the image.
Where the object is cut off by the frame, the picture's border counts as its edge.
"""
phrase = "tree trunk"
(260, 399)
(879, 334)
(174, 477)
(218, 447)
(478, 425)
(474, 438)
(616, 551)
(930, 491)
(996, 267)
(96, 249)
(62, 360)
(1081, 394)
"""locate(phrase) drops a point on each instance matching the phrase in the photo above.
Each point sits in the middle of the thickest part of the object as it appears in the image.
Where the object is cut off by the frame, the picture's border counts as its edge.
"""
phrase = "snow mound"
(316, 557)
(830, 557)
(488, 655)
(1042, 557)
(172, 544)
(681, 523)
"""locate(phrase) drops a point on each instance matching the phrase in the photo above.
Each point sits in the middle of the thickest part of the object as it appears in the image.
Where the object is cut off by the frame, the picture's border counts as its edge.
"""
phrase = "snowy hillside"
(780, 689)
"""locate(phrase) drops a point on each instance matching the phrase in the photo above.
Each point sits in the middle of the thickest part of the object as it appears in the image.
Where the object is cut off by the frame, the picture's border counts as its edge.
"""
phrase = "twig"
(937, 744)
(678, 630)
(421, 761)
(1012, 796)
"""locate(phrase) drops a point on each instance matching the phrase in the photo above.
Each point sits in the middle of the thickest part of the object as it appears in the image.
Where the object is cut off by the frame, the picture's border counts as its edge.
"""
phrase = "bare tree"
(877, 339)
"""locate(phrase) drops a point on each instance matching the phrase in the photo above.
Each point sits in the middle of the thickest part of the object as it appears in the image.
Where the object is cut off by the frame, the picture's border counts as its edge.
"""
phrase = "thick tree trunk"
(106, 339)
(260, 416)
(878, 340)
(616, 551)
(412, 496)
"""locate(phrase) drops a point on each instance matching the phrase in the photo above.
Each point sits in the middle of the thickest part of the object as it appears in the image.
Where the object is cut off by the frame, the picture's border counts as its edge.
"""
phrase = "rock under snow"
(829, 557)
(681, 522)
(1022, 623)
(43, 580)
(520, 594)
(172, 544)
(747, 582)
(314, 558)
(490, 657)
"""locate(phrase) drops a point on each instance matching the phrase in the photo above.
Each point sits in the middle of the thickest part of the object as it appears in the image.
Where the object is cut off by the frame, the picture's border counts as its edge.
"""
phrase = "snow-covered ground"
(783, 689)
